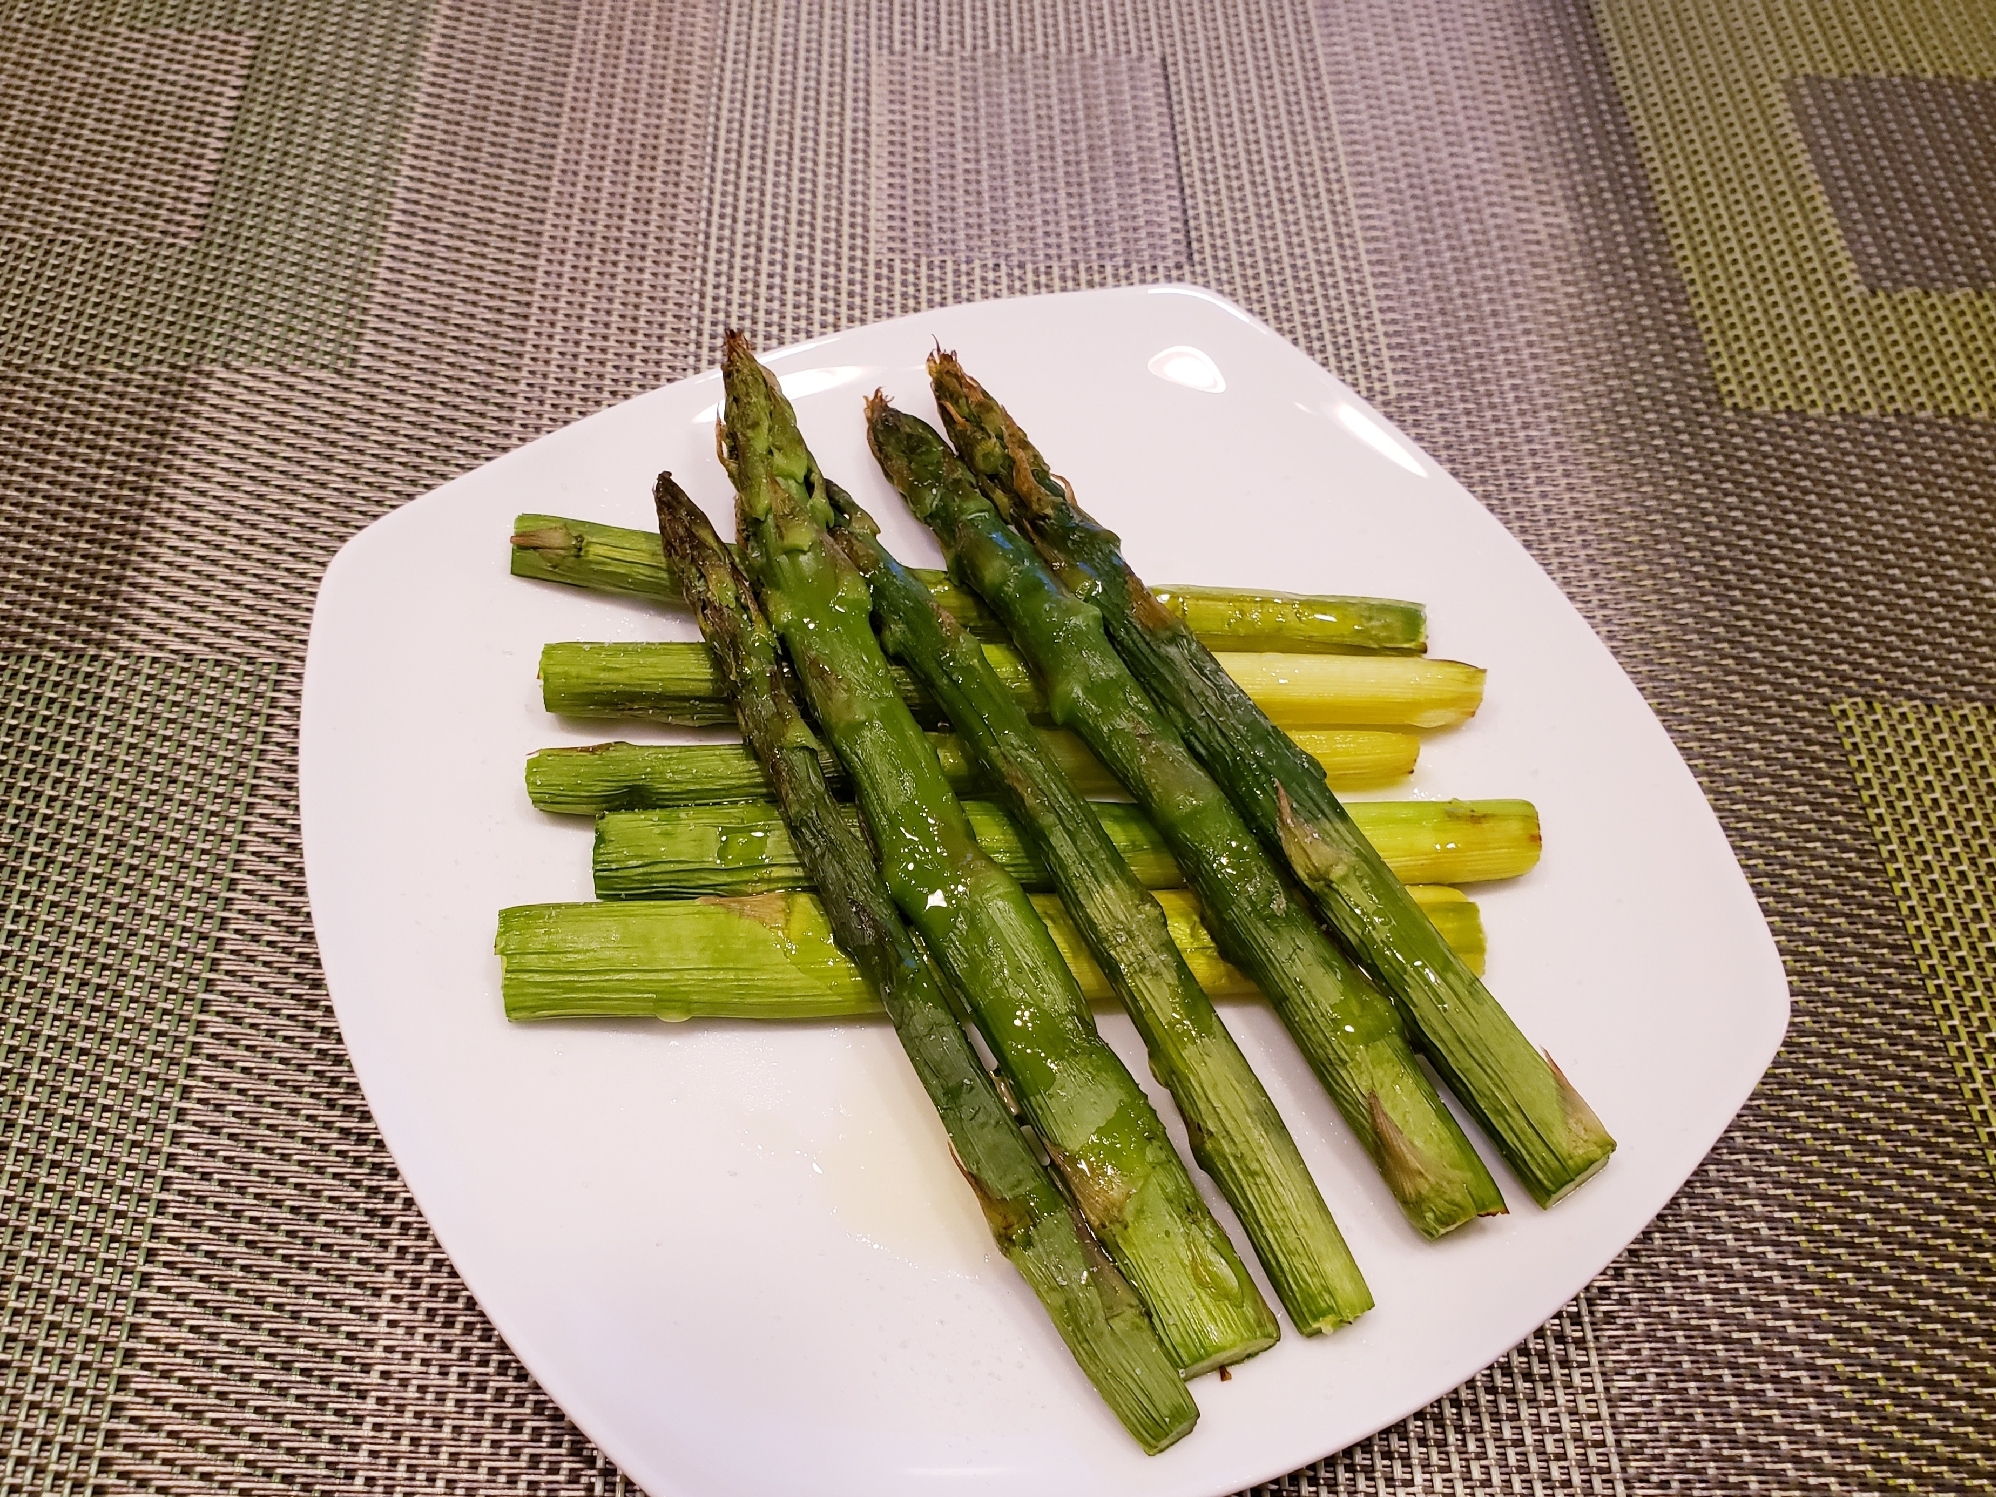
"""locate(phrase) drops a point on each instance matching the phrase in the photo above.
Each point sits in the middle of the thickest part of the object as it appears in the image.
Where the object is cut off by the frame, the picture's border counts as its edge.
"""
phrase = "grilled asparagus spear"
(1091, 1305)
(1351, 1034)
(1097, 1124)
(609, 558)
(1538, 1120)
(632, 776)
(677, 683)
(773, 956)
(1235, 1131)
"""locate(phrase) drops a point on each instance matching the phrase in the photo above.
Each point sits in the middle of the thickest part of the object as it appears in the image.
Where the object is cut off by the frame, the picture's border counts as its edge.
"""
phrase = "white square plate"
(739, 1256)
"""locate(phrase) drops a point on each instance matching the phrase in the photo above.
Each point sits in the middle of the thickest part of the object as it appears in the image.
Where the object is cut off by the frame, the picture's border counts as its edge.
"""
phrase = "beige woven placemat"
(1692, 295)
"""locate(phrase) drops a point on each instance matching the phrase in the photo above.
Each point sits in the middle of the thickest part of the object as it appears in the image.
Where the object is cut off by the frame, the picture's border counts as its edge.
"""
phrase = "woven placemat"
(1692, 295)
(121, 801)
(1928, 778)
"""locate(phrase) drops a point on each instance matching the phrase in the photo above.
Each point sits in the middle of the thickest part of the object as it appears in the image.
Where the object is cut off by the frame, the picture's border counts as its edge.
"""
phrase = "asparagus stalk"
(1248, 619)
(1350, 1033)
(612, 559)
(774, 956)
(1538, 1120)
(632, 776)
(743, 847)
(1455, 914)
(1101, 1130)
(677, 683)
(1234, 1129)
(1335, 691)
(1091, 1305)
(765, 956)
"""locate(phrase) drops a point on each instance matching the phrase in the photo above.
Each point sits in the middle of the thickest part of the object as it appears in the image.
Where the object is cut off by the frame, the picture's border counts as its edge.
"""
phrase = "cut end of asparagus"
(599, 558)
(1437, 1200)
(1110, 1335)
(1588, 1140)
(1240, 1351)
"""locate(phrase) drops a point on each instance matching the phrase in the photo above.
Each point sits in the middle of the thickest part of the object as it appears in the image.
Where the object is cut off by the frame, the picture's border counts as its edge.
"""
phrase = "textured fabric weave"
(1692, 294)
(1928, 778)
(124, 782)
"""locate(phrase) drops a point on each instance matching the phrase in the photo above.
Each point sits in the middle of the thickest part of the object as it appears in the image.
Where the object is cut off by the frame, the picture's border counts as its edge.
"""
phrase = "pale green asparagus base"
(745, 848)
(639, 776)
(678, 683)
(772, 956)
(613, 559)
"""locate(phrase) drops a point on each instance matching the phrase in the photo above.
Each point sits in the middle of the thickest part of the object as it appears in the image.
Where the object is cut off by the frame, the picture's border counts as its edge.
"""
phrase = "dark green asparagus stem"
(1350, 1033)
(1540, 1123)
(1099, 1127)
(1235, 1131)
(1095, 1311)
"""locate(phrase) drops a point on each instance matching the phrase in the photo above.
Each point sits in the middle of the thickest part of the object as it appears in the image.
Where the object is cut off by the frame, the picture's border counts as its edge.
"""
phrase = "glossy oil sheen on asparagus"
(1096, 1312)
(1546, 1131)
(1104, 1136)
(1351, 1035)
(1233, 1127)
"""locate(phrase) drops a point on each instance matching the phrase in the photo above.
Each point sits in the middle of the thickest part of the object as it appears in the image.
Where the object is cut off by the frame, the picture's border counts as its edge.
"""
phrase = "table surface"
(1699, 298)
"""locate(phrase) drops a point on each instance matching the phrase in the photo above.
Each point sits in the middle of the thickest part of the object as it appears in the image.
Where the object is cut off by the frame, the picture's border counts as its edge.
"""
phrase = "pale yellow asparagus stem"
(1329, 691)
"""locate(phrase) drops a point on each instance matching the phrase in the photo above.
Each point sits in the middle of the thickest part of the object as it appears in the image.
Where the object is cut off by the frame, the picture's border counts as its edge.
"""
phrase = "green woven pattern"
(1816, 1310)
(300, 1328)
(124, 783)
(1787, 321)
(1928, 777)
(204, 181)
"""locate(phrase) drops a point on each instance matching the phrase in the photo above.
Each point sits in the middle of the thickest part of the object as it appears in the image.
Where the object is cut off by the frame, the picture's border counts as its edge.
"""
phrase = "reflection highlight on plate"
(1378, 438)
(1191, 367)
